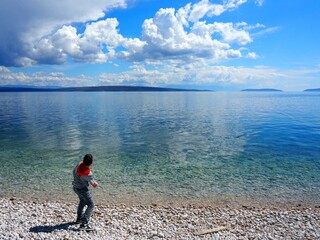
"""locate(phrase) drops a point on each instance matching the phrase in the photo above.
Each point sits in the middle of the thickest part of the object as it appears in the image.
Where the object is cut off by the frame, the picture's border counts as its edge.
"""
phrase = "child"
(82, 176)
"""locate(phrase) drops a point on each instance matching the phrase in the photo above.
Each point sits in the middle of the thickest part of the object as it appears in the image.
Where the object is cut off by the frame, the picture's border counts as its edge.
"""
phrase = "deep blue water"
(163, 147)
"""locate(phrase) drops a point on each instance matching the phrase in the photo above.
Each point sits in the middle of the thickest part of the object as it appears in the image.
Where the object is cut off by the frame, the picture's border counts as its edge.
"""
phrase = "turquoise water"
(189, 147)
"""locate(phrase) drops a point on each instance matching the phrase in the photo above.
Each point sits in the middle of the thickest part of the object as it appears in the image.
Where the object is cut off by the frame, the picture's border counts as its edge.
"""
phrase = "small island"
(312, 90)
(261, 90)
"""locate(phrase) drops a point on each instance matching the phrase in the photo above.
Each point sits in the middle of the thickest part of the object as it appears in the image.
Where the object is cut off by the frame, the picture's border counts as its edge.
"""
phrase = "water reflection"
(169, 145)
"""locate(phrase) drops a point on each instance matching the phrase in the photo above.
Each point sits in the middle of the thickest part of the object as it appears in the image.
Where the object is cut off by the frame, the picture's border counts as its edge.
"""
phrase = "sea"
(215, 148)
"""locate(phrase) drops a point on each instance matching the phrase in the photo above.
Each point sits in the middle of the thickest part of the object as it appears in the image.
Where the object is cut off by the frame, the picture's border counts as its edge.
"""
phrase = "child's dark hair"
(87, 159)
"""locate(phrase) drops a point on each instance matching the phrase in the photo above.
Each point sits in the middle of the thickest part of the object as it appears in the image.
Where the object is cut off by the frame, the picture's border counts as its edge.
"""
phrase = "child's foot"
(86, 227)
(79, 220)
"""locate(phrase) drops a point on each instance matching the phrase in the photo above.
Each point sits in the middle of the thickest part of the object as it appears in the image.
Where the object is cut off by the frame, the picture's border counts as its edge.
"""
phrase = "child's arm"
(89, 178)
(94, 183)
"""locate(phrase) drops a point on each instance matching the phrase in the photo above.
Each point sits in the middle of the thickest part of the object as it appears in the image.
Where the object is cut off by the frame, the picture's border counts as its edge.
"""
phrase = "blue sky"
(217, 44)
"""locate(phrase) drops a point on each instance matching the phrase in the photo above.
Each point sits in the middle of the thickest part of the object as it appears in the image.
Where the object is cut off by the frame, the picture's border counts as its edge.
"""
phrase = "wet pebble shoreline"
(54, 220)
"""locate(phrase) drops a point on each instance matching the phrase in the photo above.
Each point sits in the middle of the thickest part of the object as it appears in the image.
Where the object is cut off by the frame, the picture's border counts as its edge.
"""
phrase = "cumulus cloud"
(252, 55)
(181, 35)
(8, 77)
(206, 8)
(24, 23)
(44, 33)
(95, 45)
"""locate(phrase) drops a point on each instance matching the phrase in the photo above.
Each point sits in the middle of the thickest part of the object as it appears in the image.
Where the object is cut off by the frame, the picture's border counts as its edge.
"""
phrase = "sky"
(223, 45)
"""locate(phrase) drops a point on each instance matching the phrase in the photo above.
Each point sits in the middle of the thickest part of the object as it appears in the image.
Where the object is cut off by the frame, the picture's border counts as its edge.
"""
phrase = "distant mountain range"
(261, 90)
(94, 89)
(22, 88)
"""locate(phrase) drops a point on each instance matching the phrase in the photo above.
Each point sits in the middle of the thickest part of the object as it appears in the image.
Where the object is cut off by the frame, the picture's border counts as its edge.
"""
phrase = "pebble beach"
(35, 219)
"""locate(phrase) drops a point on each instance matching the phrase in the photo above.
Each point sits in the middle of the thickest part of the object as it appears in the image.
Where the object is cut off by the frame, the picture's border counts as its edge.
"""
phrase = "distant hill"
(94, 89)
(312, 90)
(261, 90)
(27, 89)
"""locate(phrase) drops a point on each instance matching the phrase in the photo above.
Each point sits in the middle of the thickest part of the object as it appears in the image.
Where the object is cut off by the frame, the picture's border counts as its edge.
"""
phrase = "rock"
(49, 220)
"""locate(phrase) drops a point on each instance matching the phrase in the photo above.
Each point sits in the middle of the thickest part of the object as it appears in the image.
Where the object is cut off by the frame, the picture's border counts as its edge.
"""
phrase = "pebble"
(22, 219)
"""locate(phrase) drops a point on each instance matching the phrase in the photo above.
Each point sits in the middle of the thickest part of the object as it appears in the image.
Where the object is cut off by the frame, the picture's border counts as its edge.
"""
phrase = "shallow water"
(164, 147)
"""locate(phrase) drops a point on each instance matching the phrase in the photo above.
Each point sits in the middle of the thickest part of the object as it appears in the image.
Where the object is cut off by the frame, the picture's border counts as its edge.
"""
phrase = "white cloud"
(170, 36)
(204, 74)
(24, 23)
(66, 38)
(264, 31)
(103, 32)
(252, 55)
(164, 35)
(259, 2)
(4, 69)
(44, 34)
(8, 77)
(206, 8)
(172, 73)
(95, 45)
(138, 75)
(231, 33)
